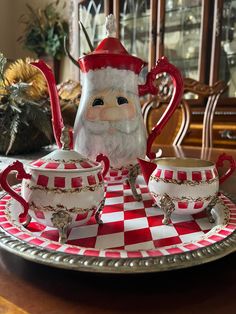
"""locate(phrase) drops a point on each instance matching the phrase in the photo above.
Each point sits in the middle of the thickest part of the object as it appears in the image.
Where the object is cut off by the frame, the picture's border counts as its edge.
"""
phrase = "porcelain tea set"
(67, 187)
(185, 185)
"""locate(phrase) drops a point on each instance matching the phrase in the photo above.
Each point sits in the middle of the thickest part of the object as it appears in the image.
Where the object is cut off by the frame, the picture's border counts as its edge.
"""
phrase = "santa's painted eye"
(98, 102)
(122, 100)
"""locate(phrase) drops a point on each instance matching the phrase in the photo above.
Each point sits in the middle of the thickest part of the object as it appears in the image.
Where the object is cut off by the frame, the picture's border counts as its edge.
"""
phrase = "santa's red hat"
(110, 53)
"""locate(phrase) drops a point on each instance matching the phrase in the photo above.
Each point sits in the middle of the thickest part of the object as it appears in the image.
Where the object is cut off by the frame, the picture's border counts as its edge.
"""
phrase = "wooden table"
(210, 288)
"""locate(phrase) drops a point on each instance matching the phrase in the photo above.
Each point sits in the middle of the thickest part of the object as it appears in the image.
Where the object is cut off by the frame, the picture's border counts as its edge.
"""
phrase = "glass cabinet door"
(227, 68)
(92, 15)
(182, 33)
(134, 26)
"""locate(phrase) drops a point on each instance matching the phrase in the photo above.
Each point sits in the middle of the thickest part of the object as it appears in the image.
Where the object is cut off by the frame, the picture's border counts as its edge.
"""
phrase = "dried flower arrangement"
(25, 107)
(69, 94)
(25, 118)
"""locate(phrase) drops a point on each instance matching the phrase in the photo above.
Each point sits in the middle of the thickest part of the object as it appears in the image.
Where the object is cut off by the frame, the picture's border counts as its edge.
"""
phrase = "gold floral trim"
(60, 207)
(186, 182)
(187, 198)
(64, 190)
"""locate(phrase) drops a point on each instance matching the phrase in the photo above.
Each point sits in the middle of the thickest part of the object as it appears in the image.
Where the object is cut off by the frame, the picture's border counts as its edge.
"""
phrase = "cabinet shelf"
(182, 28)
(181, 9)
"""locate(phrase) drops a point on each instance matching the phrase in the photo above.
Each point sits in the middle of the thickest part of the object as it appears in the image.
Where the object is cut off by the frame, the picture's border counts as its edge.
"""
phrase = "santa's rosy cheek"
(132, 110)
(93, 113)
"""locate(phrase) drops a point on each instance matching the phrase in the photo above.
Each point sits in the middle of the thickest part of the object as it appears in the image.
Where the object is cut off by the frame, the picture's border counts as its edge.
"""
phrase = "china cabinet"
(198, 36)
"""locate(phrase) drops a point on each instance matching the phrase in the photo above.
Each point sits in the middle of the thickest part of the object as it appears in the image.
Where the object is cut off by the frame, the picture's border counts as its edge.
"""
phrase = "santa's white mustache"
(123, 126)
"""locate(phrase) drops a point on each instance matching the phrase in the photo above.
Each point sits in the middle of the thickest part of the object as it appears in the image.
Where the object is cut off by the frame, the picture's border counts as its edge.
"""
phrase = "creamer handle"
(232, 166)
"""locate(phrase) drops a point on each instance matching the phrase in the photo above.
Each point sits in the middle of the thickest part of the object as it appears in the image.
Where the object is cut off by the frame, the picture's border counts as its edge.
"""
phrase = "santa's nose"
(111, 112)
(116, 113)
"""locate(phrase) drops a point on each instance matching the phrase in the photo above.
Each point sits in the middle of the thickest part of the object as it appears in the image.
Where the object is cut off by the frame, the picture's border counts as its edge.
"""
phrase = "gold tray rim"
(122, 265)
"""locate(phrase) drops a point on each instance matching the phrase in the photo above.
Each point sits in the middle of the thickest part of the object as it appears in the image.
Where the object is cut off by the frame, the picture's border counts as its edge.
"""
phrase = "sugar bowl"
(61, 190)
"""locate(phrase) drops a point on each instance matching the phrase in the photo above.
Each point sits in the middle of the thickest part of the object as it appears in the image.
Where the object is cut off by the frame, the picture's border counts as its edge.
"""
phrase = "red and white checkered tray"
(131, 230)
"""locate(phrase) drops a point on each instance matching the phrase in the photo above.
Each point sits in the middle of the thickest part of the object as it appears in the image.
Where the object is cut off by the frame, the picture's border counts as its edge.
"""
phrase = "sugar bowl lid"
(65, 159)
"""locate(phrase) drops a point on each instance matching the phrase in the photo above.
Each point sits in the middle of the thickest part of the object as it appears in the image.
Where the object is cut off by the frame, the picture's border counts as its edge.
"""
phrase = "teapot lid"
(66, 160)
(110, 52)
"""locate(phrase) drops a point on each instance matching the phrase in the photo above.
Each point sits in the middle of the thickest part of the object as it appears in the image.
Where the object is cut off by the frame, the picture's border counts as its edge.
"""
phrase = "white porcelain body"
(77, 192)
(114, 130)
(190, 189)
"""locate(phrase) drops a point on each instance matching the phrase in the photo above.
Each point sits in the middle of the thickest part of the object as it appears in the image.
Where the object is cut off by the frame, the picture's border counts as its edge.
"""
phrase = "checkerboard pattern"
(117, 175)
(130, 228)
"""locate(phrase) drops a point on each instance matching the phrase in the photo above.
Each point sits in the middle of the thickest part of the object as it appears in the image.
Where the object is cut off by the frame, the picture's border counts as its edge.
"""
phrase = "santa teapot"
(109, 118)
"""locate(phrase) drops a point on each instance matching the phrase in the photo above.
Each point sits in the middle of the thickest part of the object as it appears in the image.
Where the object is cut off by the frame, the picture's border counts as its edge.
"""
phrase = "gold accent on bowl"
(184, 162)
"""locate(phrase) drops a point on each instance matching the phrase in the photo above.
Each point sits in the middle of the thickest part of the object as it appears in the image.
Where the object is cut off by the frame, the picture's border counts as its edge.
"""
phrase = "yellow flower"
(3, 90)
(22, 71)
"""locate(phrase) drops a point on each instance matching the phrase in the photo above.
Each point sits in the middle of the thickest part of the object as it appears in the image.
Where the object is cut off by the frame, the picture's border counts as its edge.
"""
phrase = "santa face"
(110, 122)
(111, 105)
(112, 126)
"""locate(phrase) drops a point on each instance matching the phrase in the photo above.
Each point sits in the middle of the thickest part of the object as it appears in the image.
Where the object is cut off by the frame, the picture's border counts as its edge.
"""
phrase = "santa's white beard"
(121, 141)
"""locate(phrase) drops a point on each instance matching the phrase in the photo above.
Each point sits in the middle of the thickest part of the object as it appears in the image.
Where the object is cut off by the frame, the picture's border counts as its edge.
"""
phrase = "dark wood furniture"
(197, 36)
(38, 289)
(176, 131)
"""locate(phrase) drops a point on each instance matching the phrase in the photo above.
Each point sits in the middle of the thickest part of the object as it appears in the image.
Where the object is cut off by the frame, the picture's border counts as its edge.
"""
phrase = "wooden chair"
(178, 126)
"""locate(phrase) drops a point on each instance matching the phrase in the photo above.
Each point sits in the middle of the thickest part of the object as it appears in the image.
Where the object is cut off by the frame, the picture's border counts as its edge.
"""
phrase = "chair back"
(179, 124)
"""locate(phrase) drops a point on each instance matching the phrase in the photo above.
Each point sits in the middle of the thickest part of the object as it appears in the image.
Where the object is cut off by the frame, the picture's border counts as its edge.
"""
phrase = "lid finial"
(65, 138)
(110, 25)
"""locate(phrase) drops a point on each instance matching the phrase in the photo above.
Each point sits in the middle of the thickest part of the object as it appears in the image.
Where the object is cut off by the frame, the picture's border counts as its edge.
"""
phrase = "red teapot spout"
(57, 121)
(147, 168)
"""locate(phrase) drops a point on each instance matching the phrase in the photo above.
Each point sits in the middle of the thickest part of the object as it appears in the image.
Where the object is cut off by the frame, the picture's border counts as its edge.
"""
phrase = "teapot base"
(127, 173)
(133, 174)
